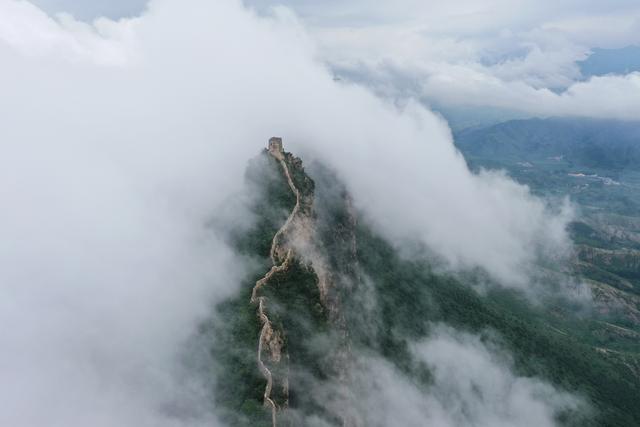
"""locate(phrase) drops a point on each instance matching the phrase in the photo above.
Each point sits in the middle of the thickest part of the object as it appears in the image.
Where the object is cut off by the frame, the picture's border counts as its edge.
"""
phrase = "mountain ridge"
(387, 303)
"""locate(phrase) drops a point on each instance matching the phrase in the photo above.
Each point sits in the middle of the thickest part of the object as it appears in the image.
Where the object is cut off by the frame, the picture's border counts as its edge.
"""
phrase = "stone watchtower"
(275, 147)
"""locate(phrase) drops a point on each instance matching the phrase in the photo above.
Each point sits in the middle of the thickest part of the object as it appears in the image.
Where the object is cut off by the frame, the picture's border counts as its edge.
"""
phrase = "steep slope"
(296, 300)
(329, 294)
(269, 336)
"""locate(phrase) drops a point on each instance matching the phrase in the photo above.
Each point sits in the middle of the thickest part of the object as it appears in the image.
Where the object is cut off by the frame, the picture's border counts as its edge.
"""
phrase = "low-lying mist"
(473, 384)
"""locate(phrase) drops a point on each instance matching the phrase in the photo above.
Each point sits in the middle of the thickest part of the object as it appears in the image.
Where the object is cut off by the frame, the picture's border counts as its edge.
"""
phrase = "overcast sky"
(519, 57)
(90, 9)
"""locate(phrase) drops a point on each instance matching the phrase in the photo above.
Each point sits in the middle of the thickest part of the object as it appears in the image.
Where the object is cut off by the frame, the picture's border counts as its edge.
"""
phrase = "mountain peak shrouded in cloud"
(123, 150)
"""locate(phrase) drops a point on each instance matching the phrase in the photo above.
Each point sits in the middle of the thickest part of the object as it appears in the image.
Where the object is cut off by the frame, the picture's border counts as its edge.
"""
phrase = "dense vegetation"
(405, 288)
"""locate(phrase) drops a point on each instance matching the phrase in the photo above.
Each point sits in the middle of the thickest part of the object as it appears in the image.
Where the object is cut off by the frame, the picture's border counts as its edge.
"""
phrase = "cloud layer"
(519, 56)
(473, 385)
(120, 139)
(516, 55)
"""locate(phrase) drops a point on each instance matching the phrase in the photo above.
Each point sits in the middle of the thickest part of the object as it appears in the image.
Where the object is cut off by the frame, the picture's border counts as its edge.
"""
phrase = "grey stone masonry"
(275, 147)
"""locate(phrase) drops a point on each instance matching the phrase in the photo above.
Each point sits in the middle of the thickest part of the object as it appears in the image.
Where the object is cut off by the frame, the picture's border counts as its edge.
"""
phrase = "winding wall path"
(267, 330)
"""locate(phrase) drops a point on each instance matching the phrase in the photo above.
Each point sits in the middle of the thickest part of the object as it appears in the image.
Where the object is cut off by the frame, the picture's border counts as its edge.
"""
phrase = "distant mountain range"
(580, 143)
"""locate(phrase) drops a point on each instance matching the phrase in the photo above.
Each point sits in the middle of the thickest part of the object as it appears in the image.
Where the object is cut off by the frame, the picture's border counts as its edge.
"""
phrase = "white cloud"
(497, 53)
(120, 139)
(473, 384)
